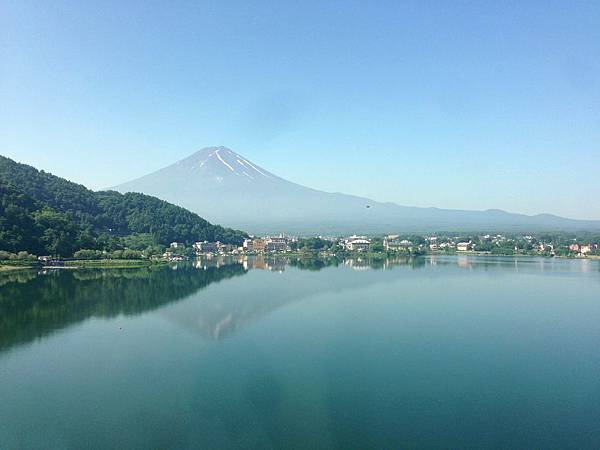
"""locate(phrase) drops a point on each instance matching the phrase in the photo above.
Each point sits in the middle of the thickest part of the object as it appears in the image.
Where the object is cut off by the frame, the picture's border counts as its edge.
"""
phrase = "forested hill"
(45, 214)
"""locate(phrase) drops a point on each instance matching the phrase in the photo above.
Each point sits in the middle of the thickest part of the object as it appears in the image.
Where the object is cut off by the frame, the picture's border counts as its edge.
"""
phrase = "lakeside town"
(562, 245)
(414, 245)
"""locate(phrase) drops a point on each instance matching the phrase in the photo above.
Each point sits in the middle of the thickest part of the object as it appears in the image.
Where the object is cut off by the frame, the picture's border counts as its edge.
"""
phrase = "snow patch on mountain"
(223, 161)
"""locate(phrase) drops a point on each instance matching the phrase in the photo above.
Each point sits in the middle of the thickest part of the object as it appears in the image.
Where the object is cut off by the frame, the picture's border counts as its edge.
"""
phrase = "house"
(206, 247)
(225, 248)
(463, 246)
(248, 246)
(394, 243)
(258, 245)
(346, 242)
(358, 245)
(433, 247)
(276, 246)
(176, 245)
(354, 237)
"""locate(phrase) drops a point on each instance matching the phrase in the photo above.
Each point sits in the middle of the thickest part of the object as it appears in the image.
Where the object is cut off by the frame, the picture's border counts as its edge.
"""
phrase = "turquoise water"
(451, 352)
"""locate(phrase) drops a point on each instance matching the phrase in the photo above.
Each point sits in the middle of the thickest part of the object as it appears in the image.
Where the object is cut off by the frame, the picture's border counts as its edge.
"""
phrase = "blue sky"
(470, 105)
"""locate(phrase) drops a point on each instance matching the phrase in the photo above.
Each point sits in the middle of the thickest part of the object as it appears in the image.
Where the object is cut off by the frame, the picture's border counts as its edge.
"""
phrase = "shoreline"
(140, 264)
(108, 264)
(82, 264)
(7, 268)
(381, 255)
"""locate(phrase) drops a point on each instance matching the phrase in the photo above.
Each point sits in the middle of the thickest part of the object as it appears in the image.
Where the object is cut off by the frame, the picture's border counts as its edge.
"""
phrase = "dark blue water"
(423, 353)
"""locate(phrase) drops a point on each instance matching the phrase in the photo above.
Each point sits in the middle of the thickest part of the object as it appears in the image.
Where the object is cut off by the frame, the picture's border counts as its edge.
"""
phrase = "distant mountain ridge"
(227, 188)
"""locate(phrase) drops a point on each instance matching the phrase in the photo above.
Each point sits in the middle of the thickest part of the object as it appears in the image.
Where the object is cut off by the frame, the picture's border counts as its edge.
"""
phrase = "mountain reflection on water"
(36, 304)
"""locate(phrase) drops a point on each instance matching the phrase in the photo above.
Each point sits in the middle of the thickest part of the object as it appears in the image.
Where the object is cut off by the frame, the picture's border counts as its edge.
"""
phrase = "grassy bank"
(110, 263)
(12, 268)
(11, 265)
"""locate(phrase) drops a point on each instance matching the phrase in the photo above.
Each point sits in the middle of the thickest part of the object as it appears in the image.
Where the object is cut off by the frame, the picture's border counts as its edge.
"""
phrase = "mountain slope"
(40, 212)
(225, 187)
(19, 230)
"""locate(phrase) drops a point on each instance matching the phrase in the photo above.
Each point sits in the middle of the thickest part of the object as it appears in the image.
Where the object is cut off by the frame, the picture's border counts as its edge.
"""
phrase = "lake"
(436, 352)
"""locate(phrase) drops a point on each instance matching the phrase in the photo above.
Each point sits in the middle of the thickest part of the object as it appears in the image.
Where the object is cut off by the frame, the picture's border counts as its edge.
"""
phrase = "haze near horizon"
(455, 106)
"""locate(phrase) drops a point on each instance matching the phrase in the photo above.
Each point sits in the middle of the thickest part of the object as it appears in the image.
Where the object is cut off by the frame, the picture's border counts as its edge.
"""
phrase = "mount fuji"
(227, 188)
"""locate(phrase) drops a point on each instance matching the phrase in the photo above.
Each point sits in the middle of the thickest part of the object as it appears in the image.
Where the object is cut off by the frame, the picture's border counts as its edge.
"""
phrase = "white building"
(358, 245)
(248, 245)
(276, 244)
(463, 246)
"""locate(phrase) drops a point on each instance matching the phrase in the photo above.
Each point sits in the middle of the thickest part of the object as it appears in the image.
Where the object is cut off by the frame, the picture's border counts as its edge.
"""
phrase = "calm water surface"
(451, 352)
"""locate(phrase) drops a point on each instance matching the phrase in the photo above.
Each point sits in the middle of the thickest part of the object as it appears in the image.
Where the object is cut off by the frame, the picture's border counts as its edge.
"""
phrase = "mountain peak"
(224, 162)
(206, 152)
